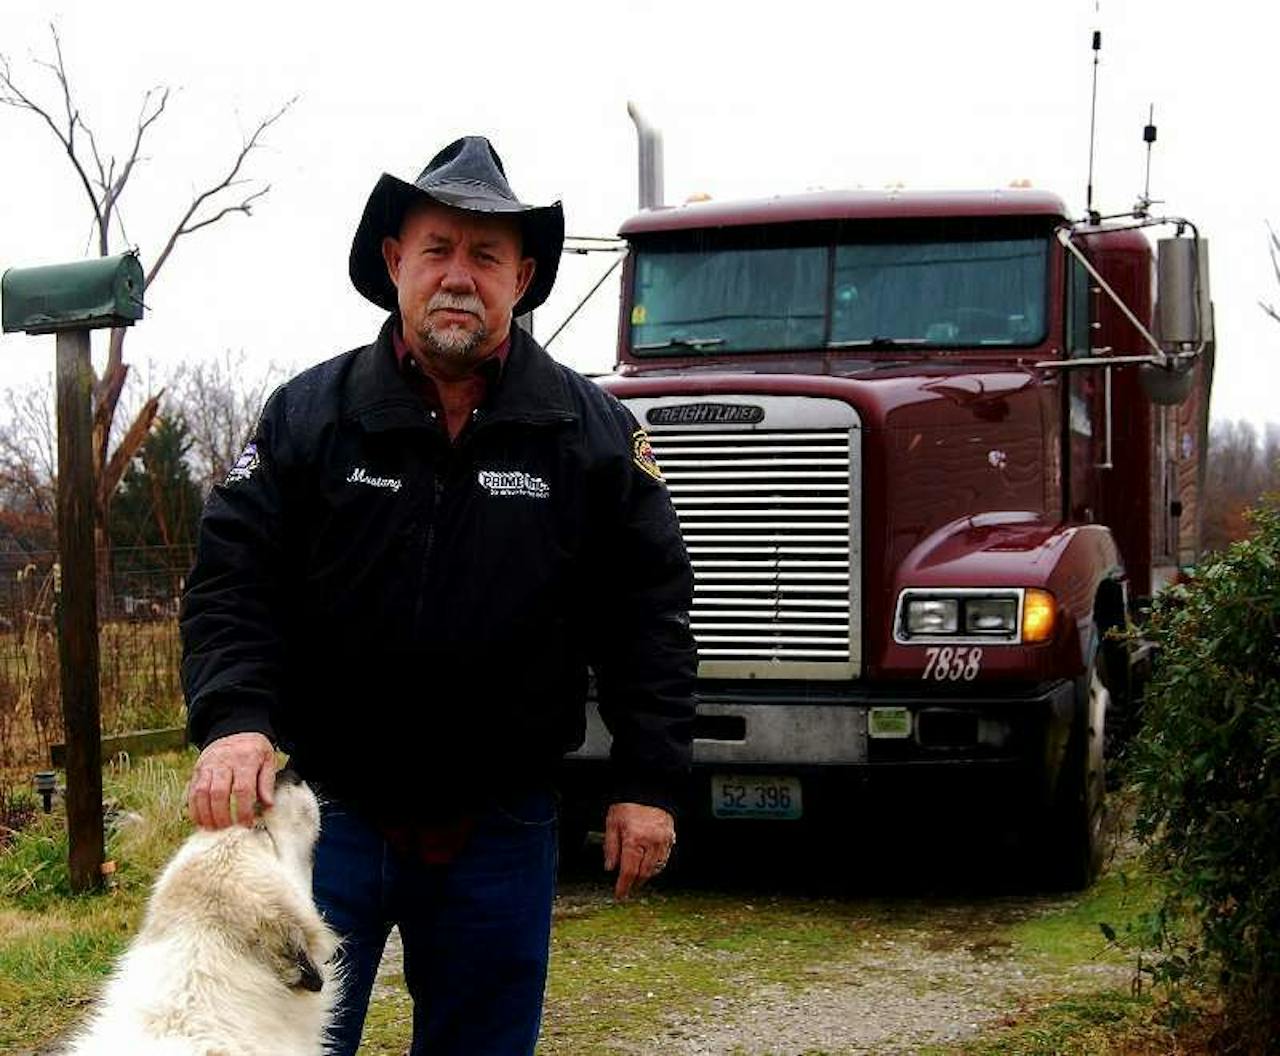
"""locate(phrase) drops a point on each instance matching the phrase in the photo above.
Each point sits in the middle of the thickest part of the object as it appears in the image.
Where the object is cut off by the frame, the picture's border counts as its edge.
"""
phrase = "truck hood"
(884, 394)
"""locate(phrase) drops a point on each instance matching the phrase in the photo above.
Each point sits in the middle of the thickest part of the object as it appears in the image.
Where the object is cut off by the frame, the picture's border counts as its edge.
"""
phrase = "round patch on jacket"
(642, 454)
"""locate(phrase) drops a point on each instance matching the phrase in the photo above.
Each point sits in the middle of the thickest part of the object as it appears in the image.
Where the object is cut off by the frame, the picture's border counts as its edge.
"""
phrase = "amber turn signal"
(1039, 615)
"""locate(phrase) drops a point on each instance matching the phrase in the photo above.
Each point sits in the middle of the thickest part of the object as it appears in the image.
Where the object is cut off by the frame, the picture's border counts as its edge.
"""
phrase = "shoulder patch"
(245, 464)
(642, 454)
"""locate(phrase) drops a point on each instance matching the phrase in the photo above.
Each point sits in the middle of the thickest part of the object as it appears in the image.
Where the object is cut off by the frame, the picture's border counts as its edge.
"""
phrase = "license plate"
(765, 796)
(889, 723)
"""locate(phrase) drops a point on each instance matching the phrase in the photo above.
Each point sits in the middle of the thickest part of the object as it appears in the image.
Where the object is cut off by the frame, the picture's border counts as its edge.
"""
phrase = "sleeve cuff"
(223, 718)
(656, 790)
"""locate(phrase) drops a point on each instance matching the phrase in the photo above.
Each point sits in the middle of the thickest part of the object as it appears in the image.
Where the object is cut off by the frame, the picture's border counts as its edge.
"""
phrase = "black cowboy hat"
(467, 174)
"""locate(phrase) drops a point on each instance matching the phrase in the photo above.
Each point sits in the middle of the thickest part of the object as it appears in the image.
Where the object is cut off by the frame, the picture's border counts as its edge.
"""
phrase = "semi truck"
(930, 452)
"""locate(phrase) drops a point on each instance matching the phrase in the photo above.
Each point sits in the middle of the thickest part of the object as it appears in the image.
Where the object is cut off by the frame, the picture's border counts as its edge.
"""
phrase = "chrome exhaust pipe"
(650, 153)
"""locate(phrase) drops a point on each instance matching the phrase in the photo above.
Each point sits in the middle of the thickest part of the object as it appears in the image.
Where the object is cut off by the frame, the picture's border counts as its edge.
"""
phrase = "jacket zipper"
(440, 468)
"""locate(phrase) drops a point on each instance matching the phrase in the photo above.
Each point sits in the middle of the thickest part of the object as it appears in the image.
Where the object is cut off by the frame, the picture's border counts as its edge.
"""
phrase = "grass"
(621, 975)
(621, 972)
(1108, 1021)
(1074, 933)
(56, 948)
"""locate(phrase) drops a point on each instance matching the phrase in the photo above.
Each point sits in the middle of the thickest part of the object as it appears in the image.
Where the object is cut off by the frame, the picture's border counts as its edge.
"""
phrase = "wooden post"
(78, 611)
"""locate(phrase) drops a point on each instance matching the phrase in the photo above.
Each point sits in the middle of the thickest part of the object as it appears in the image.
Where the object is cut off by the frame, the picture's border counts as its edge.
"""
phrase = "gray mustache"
(457, 302)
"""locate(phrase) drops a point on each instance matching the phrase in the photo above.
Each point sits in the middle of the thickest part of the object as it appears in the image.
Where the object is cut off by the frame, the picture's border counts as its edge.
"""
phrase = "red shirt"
(457, 398)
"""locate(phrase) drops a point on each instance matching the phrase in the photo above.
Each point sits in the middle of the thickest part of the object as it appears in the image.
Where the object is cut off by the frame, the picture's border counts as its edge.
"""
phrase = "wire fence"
(138, 595)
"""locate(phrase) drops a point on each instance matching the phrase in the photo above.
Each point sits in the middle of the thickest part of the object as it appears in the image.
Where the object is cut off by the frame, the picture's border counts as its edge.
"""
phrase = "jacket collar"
(531, 389)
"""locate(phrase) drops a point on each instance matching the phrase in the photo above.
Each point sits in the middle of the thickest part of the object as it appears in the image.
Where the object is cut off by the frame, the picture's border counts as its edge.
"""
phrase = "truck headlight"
(974, 615)
(996, 616)
(932, 616)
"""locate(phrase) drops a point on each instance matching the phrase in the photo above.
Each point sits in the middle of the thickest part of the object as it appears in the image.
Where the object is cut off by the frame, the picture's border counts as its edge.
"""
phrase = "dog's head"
(293, 822)
(250, 889)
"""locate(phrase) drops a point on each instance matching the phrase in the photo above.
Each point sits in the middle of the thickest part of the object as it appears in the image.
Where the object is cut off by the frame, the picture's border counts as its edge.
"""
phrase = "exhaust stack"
(650, 154)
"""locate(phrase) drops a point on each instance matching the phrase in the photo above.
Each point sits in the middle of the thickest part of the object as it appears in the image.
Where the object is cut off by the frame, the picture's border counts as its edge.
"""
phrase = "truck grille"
(766, 516)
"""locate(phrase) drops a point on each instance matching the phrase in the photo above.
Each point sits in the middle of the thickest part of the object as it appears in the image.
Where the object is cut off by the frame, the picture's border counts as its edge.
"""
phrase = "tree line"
(204, 415)
(207, 410)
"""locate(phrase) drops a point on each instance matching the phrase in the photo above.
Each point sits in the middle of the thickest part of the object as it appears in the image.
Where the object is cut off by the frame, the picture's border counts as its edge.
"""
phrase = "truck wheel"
(1071, 841)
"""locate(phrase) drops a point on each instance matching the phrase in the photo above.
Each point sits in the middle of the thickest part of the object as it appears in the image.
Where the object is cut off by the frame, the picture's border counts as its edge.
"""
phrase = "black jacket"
(413, 619)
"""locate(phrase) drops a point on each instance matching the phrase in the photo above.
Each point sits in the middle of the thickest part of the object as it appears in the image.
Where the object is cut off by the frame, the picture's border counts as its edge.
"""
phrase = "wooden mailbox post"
(69, 300)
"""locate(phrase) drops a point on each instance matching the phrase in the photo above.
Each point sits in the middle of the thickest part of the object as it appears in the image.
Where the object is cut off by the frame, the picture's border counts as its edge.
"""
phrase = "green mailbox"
(84, 295)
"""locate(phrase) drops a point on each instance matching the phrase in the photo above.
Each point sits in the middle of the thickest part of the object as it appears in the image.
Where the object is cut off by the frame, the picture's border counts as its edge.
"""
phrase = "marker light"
(1039, 615)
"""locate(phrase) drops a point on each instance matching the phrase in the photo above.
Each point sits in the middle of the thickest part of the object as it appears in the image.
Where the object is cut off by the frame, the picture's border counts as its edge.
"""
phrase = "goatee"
(452, 344)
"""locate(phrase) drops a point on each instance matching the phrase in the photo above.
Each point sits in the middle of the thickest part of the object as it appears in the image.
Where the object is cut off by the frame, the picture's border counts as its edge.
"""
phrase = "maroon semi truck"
(927, 451)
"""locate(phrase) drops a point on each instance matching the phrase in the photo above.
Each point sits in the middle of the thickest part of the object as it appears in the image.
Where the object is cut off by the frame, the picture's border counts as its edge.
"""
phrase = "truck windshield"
(875, 295)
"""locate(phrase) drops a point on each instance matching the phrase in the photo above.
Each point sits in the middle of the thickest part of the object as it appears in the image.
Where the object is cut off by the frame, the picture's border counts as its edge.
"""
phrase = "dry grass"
(139, 687)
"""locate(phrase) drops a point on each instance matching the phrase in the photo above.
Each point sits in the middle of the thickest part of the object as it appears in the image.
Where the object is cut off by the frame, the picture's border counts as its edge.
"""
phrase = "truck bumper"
(843, 748)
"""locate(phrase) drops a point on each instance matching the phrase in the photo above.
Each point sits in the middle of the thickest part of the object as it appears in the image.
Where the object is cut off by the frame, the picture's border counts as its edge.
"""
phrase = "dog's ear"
(309, 977)
(288, 954)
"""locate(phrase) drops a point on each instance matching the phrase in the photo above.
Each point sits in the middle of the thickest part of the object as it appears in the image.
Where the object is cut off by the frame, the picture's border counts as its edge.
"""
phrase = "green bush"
(1207, 766)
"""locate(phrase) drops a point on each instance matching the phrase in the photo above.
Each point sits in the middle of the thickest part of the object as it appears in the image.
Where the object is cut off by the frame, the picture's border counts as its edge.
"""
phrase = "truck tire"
(1071, 841)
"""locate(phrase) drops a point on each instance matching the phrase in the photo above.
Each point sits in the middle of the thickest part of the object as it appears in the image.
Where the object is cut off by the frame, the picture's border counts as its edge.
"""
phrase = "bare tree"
(1242, 467)
(220, 401)
(28, 451)
(105, 177)
(1273, 246)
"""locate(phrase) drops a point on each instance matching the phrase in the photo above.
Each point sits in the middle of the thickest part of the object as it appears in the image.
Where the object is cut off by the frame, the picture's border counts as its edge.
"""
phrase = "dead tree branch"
(1273, 246)
(189, 224)
(12, 95)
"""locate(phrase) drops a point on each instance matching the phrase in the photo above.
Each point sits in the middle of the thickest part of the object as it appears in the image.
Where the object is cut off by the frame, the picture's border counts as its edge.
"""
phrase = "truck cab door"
(1082, 414)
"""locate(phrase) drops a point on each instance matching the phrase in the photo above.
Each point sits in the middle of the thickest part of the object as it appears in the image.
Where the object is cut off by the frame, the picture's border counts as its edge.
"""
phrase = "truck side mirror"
(1184, 309)
(84, 295)
(1184, 316)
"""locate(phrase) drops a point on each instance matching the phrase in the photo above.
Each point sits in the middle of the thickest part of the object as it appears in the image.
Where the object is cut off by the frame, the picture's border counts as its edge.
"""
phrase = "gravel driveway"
(911, 972)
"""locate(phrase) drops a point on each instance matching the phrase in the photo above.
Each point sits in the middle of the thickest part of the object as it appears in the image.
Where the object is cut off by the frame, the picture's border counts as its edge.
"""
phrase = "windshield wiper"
(879, 342)
(680, 342)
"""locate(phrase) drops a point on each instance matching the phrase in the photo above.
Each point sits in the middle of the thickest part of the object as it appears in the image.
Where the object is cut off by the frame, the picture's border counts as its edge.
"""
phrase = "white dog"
(233, 958)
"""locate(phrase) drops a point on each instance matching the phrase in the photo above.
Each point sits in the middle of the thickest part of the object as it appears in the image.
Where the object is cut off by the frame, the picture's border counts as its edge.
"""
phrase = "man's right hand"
(241, 766)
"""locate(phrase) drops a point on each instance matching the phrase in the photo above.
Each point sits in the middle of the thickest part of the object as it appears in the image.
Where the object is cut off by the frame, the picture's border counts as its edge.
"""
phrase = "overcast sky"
(753, 99)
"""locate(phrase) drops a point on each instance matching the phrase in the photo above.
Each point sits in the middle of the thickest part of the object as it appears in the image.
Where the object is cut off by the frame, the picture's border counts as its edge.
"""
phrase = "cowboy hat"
(468, 175)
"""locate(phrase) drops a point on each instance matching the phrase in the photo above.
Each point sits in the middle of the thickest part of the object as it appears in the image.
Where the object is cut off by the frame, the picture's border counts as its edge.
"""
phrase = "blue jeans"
(475, 931)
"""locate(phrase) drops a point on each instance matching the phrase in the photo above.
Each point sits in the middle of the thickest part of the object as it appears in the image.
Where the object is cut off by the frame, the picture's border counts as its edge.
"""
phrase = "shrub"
(1207, 768)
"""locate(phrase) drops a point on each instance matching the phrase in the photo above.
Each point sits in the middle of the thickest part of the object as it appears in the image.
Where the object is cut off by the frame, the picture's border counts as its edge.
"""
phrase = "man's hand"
(237, 766)
(637, 841)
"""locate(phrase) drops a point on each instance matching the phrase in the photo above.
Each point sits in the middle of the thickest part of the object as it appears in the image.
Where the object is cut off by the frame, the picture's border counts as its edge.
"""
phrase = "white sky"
(753, 99)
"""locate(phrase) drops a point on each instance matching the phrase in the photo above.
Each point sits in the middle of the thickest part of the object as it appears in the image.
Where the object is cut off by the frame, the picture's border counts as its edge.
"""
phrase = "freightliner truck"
(929, 452)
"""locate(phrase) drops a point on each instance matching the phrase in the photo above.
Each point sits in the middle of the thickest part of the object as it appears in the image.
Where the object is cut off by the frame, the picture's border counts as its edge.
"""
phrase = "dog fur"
(233, 958)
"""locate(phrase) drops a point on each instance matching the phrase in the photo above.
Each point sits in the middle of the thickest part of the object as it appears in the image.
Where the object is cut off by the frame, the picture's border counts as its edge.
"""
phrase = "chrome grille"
(767, 518)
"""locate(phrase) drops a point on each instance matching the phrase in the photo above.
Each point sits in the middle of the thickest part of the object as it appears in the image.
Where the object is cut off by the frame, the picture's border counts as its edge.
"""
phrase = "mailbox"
(85, 295)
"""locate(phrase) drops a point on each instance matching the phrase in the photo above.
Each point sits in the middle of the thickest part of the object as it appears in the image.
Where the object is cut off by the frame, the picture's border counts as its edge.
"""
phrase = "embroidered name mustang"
(360, 475)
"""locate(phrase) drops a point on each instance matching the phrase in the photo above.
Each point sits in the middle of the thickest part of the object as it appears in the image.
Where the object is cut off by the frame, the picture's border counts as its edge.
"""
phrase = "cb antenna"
(1094, 217)
(1148, 137)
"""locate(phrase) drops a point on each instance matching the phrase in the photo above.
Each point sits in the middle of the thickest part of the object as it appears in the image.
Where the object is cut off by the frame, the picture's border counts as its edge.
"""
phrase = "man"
(402, 583)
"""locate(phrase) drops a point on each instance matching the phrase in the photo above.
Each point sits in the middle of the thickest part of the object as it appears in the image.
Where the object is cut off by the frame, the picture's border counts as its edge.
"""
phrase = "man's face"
(457, 275)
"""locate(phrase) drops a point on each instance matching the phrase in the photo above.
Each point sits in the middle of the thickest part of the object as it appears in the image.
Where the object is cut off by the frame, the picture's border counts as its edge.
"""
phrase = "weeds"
(139, 686)
(1207, 769)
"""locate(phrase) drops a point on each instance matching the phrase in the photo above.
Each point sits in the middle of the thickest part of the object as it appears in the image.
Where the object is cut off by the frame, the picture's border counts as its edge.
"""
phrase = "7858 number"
(947, 664)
